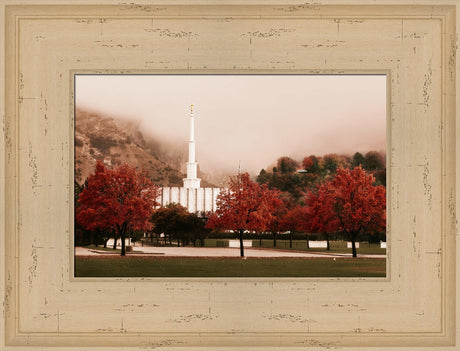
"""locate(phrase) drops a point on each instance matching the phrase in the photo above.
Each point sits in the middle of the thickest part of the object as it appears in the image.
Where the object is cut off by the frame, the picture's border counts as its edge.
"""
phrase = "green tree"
(264, 177)
(136, 235)
(373, 160)
(330, 163)
(287, 165)
(176, 222)
(285, 178)
(358, 160)
(380, 177)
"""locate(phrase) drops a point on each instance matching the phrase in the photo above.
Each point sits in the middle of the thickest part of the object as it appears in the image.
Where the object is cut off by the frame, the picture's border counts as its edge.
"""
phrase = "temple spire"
(191, 181)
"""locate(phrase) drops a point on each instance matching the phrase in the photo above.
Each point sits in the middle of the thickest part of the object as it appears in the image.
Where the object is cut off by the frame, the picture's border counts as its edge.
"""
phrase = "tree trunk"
(328, 246)
(115, 239)
(202, 242)
(241, 243)
(122, 237)
(353, 247)
(105, 242)
(274, 239)
(260, 241)
(290, 239)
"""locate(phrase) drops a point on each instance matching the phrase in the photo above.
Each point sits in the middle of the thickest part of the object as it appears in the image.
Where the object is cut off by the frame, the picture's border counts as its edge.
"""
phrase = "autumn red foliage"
(307, 163)
(348, 203)
(244, 206)
(117, 200)
(292, 221)
(277, 222)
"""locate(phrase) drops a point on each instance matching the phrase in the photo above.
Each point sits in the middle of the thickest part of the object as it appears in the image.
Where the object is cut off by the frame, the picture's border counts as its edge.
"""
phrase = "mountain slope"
(117, 141)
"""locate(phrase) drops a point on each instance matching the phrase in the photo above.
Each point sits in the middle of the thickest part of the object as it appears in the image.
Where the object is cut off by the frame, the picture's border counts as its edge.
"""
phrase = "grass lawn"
(363, 250)
(131, 266)
(335, 247)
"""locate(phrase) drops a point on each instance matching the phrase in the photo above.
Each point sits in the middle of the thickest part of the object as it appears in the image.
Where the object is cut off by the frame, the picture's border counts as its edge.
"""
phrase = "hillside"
(120, 141)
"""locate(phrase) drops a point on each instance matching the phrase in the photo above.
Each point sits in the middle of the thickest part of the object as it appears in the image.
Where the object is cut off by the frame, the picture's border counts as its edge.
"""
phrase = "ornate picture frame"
(46, 43)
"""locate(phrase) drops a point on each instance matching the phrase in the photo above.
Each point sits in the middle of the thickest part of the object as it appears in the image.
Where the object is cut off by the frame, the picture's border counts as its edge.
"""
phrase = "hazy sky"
(248, 119)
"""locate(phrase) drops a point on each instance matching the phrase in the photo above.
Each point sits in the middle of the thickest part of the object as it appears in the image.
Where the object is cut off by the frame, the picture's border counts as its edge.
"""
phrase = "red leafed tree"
(245, 205)
(348, 203)
(118, 200)
(316, 217)
(277, 224)
(291, 222)
(307, 163)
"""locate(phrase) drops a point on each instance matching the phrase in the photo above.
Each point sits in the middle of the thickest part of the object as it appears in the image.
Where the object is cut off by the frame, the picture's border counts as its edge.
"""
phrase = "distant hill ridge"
(114, 140)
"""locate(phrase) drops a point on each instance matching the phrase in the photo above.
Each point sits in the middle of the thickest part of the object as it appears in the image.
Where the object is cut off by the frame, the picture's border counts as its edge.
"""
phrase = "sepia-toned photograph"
(230, 175)
(227, 174)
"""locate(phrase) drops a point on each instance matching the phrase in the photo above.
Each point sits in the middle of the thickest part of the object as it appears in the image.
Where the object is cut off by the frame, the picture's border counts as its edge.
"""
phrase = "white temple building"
(191, 195)
(192, 167)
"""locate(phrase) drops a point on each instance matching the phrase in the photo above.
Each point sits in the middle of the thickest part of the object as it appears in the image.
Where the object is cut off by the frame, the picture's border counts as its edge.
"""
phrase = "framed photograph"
(48, 46)
(252, 180)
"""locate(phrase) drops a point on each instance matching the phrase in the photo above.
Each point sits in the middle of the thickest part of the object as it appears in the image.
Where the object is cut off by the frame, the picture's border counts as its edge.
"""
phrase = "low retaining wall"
(317, 244)
(349, 245)
(236, 243)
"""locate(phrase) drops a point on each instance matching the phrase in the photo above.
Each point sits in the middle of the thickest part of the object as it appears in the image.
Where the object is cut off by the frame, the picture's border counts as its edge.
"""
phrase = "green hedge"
(267, 236)
(376, 238)
(285, 244)
(282, 244)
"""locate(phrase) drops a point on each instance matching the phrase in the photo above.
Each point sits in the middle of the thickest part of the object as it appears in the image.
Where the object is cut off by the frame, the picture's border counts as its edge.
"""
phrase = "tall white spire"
(191, 181)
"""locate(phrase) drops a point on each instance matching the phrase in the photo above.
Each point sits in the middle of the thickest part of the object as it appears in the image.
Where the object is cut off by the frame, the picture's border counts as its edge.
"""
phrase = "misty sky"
(248, 119)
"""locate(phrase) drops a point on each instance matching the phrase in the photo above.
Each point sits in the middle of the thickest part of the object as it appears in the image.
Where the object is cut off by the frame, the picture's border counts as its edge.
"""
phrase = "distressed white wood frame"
(413, 42)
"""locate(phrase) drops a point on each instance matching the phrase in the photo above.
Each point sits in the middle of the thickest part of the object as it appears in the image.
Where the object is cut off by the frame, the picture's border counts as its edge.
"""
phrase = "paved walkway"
(216, 252)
